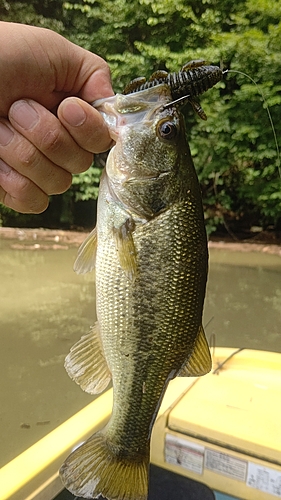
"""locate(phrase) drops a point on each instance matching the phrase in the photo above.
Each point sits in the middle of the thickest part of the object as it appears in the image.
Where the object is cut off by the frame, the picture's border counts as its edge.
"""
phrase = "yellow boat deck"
(222, 429)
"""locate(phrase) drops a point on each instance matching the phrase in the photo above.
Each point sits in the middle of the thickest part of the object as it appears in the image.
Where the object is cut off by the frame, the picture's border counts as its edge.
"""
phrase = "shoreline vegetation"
(59, 239)
(236, 151)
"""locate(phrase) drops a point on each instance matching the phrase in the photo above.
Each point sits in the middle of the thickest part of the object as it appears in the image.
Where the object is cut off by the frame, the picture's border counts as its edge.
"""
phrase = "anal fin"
(86, 364)
(200, 361)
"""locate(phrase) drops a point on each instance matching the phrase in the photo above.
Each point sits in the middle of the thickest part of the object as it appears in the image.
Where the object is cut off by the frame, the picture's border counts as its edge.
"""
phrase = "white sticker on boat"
(264, 479)
(184, 453)
(225, 464)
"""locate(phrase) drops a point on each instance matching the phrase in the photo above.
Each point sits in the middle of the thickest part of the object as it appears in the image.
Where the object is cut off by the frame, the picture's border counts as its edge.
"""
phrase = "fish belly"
(149, 323)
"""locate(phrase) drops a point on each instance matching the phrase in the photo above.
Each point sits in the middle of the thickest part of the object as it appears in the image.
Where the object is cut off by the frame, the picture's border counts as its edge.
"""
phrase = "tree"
(45, 13)
(235, 150)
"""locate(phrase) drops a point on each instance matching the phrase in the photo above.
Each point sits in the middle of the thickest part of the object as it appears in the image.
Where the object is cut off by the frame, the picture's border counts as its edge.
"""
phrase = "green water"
(243, 300)
(45, 307)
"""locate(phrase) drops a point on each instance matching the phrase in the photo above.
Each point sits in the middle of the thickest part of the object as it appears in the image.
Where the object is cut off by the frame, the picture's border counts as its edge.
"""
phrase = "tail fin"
(93, 470)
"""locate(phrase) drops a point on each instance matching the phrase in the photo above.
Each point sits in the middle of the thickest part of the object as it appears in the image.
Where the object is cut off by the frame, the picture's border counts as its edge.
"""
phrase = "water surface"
(243, 300)
(45, 307)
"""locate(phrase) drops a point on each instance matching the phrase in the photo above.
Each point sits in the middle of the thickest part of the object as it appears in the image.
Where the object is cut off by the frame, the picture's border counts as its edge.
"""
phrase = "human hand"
(39, 150)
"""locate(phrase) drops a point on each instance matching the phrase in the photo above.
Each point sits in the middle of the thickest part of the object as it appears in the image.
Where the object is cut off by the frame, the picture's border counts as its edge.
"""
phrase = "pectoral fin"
(86, 364)
(125, 247)
(86, 258)
(200, 361)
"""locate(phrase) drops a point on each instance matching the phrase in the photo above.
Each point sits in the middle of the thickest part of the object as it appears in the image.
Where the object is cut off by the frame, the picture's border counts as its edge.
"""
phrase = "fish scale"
(151, 271)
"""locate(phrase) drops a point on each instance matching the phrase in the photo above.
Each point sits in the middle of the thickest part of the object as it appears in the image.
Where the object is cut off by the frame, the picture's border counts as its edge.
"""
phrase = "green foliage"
(85, 186)
(46, 14)
(245, 153)
(234, 151)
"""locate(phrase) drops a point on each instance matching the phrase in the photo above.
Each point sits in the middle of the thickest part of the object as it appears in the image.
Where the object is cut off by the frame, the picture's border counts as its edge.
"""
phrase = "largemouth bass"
(149, 249)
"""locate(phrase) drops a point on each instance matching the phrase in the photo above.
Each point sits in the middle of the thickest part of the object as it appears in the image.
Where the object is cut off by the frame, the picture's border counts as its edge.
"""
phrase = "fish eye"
(167, 130)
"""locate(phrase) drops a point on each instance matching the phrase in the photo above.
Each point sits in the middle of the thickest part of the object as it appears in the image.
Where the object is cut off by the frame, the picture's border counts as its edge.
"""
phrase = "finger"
(50, 68)
(19, 193)
(49, 136)
(27, 160)
(98, 84)
(85, 124)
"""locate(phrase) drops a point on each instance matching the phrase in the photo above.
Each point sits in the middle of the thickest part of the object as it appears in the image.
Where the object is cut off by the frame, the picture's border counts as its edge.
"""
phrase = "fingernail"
(6, 134)
(73, 113)
(4, 168)
(24, 114)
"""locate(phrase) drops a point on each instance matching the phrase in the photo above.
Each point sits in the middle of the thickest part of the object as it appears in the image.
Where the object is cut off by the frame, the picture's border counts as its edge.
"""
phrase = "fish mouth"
(106, 108)
(121, 110)
(113, 133)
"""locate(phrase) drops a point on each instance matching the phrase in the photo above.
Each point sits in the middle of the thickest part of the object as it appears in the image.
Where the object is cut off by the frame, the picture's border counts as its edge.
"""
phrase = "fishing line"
(278, 163)
(220, 365)
(177, 101)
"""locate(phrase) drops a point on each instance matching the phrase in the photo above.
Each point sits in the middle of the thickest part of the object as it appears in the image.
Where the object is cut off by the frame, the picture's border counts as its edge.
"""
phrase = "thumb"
(89, 74)
(97, 86)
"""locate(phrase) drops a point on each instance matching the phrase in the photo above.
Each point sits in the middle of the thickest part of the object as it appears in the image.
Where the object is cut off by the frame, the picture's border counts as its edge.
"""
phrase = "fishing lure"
(194, 78)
